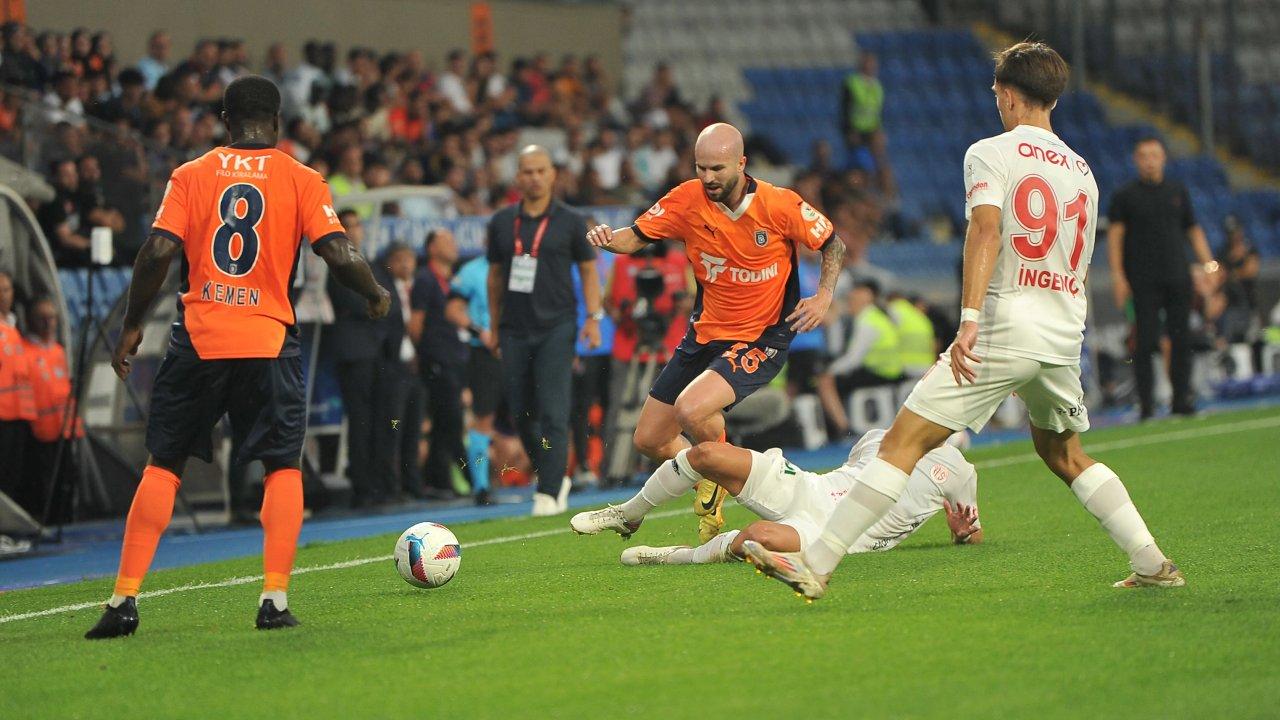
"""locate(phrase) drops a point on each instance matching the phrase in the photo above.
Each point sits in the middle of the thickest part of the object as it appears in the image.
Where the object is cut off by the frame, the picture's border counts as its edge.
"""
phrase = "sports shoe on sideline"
(545, 505)
(788, 568)
(645, 555)
(708, 505)
(609, 517)
(116, 621)
(269, 618)
(1169, 576)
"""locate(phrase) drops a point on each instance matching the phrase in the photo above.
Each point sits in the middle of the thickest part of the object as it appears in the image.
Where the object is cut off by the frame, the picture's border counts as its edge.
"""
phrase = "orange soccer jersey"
(240, 213)
(743, 259)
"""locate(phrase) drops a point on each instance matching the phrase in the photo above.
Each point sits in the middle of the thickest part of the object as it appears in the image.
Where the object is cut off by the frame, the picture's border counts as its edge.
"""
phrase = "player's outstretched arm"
(149, 271)
(961, 519)
(622, 241)
(350, 268)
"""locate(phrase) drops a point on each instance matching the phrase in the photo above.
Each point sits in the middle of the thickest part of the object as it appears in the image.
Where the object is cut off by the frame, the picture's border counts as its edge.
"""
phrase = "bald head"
(535, 173)
(719, 162)
(534, 152)
(719, 140)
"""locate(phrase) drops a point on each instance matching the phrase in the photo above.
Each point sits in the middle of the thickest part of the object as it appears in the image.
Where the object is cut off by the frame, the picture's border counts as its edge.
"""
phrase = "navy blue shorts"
(747, 366)
(265, 399)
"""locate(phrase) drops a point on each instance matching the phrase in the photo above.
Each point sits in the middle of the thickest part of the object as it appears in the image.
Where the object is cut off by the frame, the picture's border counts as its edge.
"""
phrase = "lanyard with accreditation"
(525, 266)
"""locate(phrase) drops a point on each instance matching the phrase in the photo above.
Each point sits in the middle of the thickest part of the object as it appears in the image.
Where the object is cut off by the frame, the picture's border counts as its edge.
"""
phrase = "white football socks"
(715, 550)
(671, 480)
(1099, 489)
(875, 492)
(279, 597)
(117, 600)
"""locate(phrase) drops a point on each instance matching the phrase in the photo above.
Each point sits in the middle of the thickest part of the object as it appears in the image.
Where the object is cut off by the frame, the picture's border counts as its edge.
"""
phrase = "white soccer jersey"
(1035, 303)
(781, 492)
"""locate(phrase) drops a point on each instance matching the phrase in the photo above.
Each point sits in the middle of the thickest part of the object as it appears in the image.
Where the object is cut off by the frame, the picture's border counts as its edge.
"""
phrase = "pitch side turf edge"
(1154, 439)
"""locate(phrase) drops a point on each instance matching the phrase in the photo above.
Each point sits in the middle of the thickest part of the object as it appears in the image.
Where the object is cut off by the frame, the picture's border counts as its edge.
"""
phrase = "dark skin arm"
(349, 267)
(149, 271)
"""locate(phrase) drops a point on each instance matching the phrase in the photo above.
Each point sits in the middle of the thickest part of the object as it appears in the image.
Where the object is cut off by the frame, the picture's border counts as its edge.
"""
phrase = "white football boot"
(788, 568)
(609, 517)
(1168, 576)
(645, 555)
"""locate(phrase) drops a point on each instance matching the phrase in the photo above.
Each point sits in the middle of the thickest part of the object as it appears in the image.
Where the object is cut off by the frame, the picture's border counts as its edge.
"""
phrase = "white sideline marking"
(247, 579)
(1189, 433)
(1156, 439)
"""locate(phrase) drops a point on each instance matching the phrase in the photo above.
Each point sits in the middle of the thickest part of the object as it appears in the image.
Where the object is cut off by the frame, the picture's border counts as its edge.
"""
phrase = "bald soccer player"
(740, 235)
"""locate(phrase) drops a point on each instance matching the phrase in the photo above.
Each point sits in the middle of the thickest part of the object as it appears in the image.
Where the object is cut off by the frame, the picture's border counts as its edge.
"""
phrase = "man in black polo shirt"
(1152, 223)
(532, 248)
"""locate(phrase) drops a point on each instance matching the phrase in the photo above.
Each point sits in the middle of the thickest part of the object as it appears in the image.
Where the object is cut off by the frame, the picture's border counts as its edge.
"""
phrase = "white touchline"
(247, 579)
(1156, 439)
(1187, 434)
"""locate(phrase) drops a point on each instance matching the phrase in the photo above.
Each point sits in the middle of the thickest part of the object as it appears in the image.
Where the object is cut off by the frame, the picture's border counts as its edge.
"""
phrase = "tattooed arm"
(810, 311)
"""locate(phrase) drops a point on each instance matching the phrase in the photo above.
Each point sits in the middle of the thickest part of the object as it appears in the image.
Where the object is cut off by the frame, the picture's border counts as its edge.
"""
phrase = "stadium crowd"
(367, 120)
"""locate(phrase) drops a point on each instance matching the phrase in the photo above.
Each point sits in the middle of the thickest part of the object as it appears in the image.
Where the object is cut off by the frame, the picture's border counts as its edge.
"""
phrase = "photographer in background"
(647, 292)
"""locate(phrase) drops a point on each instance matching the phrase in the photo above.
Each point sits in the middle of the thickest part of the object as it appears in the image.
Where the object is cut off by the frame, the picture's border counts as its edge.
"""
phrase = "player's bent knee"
(703, 456)
(691, 414)
(649, 443)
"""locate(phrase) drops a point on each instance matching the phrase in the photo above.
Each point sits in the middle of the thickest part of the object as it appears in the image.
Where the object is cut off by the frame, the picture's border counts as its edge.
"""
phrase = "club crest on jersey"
(762, 237)
(938, 473)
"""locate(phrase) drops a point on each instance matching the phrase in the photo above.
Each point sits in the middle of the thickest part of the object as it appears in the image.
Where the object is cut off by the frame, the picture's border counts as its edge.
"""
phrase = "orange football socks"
(281, 524)
(148, 517)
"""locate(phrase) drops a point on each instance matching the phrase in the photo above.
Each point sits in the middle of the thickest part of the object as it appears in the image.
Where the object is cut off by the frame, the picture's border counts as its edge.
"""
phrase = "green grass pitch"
(1026, 625)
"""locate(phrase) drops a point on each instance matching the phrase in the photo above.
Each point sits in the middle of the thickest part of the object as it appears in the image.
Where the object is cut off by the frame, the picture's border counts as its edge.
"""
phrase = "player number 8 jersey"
(240, 214)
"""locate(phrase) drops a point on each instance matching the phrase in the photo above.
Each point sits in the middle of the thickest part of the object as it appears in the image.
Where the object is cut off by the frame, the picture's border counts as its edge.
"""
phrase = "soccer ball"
(427, 555)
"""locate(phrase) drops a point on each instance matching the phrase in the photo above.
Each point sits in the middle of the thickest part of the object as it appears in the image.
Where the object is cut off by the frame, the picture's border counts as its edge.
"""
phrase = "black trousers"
(357, 381)
(444, 402)
(1173, 299)
(401, 407)
(537, 368)
(14, 438)
(590, 386)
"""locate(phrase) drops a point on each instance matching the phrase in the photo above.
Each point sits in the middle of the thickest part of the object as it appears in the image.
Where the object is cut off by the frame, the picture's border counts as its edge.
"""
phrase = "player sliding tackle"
(1032, 204)
(795, 504)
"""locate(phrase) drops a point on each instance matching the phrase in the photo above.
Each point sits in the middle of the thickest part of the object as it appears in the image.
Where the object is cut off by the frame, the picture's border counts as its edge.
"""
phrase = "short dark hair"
(870, 284)
(1149, 138)
(251, 98)
(1035, 69)
(131, 76)
(396, 248)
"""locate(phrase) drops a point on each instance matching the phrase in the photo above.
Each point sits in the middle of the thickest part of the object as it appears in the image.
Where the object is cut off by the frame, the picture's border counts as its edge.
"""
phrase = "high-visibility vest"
(51, 385)
(915, 334)
(868, 102)
(16, 399)
(884, 358)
